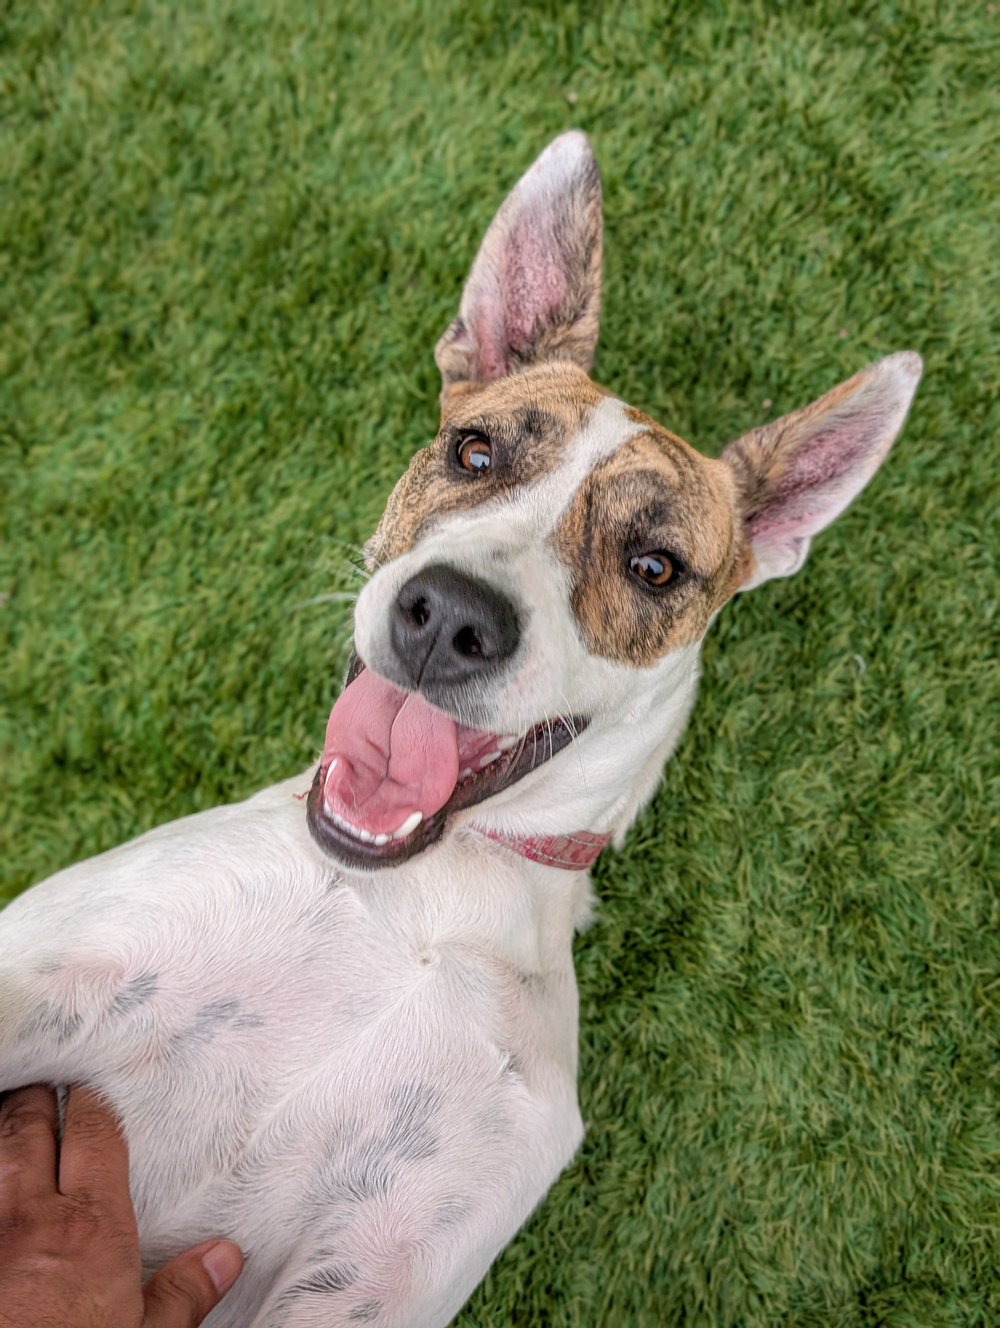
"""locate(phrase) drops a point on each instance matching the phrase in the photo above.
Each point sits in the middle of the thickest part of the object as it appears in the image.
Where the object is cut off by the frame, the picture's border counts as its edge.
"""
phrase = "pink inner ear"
(824, 473)
(534, 279)
(523, 296)
(490, 344)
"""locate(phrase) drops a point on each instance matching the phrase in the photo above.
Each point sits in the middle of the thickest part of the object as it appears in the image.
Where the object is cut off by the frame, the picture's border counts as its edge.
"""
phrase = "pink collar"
(574, 852)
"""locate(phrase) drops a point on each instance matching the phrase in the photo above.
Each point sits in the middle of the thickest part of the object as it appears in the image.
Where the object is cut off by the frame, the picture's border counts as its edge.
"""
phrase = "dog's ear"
(534, 292)
(795, 475)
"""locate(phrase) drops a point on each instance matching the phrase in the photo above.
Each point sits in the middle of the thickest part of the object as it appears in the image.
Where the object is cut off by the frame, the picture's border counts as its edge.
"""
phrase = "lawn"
(230, 234)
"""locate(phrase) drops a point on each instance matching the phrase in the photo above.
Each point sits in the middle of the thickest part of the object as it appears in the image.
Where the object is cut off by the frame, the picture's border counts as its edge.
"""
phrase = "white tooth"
(381, 839)
(464, 774)
(409, 825)
(506, 743)
(484, 761)
(353, 830)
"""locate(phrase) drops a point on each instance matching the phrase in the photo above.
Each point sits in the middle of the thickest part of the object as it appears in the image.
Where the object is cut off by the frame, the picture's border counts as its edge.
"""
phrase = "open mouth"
(394, 770)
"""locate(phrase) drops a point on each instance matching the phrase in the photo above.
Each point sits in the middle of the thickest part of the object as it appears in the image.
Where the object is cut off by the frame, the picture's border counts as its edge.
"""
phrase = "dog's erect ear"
(795, 475)
(534, 292)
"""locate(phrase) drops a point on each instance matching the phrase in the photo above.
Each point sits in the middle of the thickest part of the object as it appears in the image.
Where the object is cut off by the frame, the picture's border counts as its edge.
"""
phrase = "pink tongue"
(394, 755)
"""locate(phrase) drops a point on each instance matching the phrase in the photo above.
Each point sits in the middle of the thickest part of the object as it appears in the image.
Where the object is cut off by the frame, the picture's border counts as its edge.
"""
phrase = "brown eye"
(475, 453)
(655, 569)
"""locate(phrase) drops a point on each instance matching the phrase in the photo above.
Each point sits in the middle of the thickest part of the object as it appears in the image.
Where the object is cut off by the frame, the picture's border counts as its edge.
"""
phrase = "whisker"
(568, 721)
(334, 597)
(356, 550)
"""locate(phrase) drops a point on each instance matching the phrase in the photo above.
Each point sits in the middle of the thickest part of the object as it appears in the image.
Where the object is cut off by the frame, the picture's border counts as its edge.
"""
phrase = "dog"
(339, 1020)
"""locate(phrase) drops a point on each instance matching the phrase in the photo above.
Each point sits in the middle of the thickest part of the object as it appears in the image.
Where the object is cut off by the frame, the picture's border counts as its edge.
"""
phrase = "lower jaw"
(537, 747)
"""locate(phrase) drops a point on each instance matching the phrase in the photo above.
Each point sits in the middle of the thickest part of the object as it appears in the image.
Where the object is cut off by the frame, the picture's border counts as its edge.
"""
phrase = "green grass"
(230, 235)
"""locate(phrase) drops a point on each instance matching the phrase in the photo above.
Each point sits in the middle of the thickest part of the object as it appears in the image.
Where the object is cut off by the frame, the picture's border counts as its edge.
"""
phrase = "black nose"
(449, 628)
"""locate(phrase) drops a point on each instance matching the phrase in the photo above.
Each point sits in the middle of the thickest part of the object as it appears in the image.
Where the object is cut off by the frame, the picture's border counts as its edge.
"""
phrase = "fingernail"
(222, 1261)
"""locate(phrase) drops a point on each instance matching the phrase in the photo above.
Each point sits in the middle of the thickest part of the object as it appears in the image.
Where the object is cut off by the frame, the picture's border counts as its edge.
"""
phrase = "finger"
(183, 1292)
(29, 1120)
(93, 1160)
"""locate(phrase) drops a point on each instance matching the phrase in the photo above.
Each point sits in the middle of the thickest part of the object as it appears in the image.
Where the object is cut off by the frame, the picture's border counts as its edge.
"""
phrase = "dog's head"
(546, 569)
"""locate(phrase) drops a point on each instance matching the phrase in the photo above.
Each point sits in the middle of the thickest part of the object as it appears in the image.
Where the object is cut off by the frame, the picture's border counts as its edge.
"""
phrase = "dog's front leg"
(55, 1005)
(73, 978)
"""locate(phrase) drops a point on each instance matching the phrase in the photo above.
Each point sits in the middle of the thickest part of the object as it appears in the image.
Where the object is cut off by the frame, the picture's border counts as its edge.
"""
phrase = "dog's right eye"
(474, 453)
(655, 569)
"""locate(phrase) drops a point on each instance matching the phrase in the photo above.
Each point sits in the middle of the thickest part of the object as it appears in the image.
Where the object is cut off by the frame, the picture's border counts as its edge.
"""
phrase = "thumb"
(183, 1292)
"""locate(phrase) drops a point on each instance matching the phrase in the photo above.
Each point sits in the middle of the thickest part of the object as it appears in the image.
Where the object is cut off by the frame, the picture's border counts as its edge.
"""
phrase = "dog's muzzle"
(397, 762)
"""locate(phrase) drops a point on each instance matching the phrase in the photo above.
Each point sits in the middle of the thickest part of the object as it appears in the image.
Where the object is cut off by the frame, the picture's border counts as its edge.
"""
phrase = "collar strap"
(574, 852)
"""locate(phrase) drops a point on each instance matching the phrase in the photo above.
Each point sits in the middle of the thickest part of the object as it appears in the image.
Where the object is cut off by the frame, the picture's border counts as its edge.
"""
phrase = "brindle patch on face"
(655, 493)
(529, 418)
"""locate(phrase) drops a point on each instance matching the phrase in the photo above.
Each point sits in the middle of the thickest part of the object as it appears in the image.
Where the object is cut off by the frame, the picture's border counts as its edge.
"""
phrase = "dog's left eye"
(655, 569)
(474, 453)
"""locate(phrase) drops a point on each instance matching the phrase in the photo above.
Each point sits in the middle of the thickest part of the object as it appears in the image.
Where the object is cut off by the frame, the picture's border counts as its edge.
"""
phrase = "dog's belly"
(370, 1105)
(392, 1161)
(390, 1176)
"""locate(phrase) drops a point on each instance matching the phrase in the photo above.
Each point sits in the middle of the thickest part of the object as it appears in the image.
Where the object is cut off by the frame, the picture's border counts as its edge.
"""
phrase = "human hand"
(69, 1249)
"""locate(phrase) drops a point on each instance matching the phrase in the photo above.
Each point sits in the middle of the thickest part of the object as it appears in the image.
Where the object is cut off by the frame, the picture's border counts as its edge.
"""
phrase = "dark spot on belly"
(366, 1312)
(325, 1281)
(412, 1108)
(48, 1021)
(213, 1019)
(531, 982)
(367, 1175)
(451, 1212)
(363, 1166)
(137, 991)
